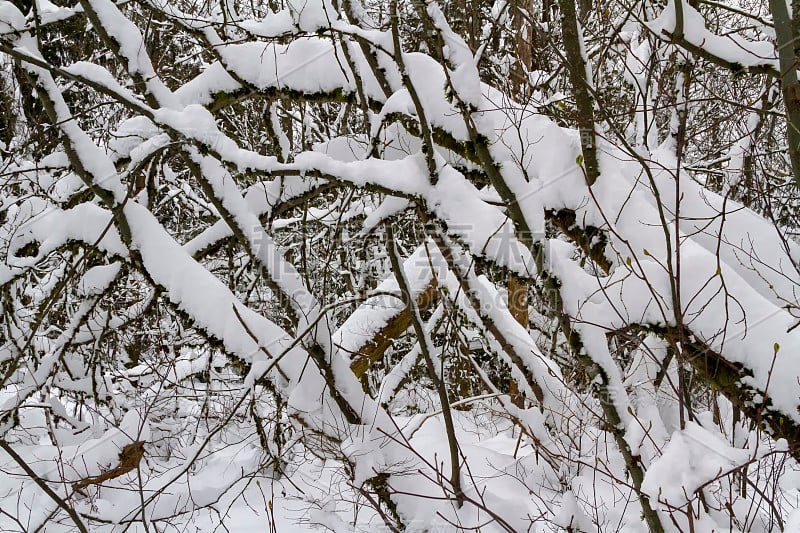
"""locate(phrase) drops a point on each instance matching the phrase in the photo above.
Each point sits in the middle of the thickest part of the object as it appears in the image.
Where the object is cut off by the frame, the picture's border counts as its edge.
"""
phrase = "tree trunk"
(785, 32)
(581, 86)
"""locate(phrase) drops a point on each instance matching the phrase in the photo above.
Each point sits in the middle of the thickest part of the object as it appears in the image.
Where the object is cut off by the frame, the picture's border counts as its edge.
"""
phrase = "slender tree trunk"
(523, 48)
(518, 305)
(786, 28)
(581, 87)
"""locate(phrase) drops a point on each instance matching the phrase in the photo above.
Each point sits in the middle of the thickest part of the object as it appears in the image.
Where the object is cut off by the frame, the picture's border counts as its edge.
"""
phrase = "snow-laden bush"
(398, 266)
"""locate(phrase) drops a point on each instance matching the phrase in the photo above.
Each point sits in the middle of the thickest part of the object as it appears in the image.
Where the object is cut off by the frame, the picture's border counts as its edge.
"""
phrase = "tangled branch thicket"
(410, 265)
